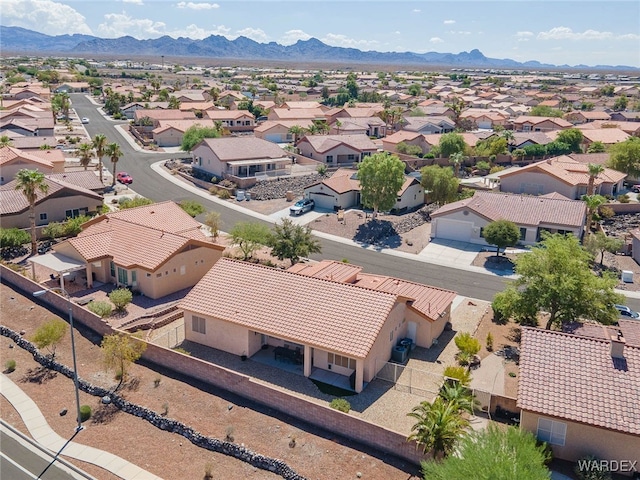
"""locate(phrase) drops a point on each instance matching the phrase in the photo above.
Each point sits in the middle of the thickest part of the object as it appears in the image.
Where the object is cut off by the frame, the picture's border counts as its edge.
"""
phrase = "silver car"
(302, 206)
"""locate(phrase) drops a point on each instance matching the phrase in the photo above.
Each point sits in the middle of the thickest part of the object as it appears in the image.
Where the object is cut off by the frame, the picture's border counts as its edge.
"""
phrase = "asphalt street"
(153, 186)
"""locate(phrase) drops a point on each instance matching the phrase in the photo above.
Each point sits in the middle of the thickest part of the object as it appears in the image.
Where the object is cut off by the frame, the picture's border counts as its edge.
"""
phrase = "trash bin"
(289, 195)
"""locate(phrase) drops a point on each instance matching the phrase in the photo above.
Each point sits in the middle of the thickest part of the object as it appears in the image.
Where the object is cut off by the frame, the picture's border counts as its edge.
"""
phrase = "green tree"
(451, 143)
(593, 203)
(555, 277)
(600, 242)
(546, 111)
(30, 183)
(119, 351)
(440, 183)
(625, 156)
(439, 426)
(572, 137)
(491, 454)
(60, 103)
(134, 202)
(596, 147)
(381, 177)
(456, 159)
(213, 221)
(121, 297)
(114, 153)
(292, 241)
(13, 237)
(85, 150)
(414, 90)
(621, 103)
(502, 234)
(174, 103)
(195, 134)
(49, 334)
(249, 237)
(192, 207)
(460, 395)
(100, 146)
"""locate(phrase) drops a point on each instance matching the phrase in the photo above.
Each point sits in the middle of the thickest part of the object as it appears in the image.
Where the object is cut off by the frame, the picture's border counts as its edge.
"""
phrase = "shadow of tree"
(104, 414)
(380, 233)
(38, 375)
(499, 264)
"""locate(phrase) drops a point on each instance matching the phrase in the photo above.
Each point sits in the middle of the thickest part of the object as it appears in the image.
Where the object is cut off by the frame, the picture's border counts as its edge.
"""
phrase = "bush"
(85, 413)
(607, 212)
(73, 226)
(121, 297)
(458, 373)
(483, 165)
(489, 342)
(467, 344)
(10, 365)
(100, 308)
(133, 202)
(224, 194)
(53, 230)
(623, 198)
(192, 207)
(340, 404)
(322, 169)
(13, 237)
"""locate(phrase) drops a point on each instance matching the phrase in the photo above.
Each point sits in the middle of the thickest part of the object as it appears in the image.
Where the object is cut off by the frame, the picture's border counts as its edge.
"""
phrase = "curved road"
(151, 185)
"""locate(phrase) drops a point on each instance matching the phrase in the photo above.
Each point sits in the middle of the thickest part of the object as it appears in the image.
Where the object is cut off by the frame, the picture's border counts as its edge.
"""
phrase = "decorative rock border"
(213, 444)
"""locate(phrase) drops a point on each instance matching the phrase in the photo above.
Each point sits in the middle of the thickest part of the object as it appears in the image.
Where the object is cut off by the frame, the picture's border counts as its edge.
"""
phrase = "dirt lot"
(316, 455)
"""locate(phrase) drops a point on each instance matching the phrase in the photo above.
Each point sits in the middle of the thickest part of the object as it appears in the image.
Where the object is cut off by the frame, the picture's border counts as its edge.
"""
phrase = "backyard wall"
(321, 416)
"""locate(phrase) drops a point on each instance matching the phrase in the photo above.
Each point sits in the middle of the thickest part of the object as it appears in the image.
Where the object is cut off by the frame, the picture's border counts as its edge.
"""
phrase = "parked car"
(635, 188)
(627, 312)
(84, 120)
(124, 177)
(302, 206)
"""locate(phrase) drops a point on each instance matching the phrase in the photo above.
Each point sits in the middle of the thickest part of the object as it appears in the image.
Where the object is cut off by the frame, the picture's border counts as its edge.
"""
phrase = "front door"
(411, 331)
(123, 276)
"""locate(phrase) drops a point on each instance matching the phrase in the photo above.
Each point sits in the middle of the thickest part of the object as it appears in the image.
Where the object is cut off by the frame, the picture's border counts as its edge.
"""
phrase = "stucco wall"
(168, 138)
(381, 350)
(412, 197)
(55, 209)
(210, 162)
(584, 440)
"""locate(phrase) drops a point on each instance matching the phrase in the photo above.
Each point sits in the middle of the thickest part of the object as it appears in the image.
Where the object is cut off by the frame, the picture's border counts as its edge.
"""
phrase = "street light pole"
(73, 350)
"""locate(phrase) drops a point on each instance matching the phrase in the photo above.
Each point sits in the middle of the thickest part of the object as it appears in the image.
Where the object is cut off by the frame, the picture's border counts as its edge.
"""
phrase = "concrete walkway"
(489, 376)
(45, 436)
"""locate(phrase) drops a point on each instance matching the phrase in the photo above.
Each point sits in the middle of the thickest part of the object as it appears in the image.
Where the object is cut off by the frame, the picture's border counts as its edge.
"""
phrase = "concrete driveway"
(450, 252)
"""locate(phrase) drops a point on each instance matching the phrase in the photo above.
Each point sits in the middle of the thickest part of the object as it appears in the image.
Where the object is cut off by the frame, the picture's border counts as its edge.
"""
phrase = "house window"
(198, 324)
(345, 362)
(329, 158)
(76, 212)
(112, 268)
(481, 232)
(523, 233)
(351, 157)
(123, 276)
(43, 216)
(564, 232)
(552, 432)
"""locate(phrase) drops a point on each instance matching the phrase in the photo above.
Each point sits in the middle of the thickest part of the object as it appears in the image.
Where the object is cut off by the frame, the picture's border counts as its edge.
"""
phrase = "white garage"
(323, 200)
(448, 229)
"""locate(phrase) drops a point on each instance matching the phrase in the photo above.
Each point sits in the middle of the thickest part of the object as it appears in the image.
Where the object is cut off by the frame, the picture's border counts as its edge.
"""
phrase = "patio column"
(307, 360)
(359, 375)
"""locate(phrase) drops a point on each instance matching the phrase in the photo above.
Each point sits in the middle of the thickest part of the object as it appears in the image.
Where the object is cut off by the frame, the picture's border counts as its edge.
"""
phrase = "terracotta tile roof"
(429, 301)
(11, 154)
(85, 179)
(520, 209)
(296, 113)
(401, 136)
(269, 124)
(605, 135)
(469, 138)
(329, 315)
(536, 120)
(32, 143)
(243, 148)
(630, 330)
(228, 114)
(324, 143)
(164, 114)
(575, 378)
(586, 158)
(54, 156)
(343, 180)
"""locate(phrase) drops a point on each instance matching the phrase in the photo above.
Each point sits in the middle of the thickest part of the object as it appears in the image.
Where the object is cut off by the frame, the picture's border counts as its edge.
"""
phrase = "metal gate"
(410, 380)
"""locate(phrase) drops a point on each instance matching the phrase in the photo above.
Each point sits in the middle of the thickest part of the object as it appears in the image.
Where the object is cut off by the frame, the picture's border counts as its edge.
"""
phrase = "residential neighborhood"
(467, 247)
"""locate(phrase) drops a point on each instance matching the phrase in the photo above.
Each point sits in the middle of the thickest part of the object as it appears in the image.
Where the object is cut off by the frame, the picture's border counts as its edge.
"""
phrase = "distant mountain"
(20, 40)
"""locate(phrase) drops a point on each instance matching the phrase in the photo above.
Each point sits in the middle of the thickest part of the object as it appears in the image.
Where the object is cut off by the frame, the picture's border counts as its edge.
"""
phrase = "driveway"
(450, 252)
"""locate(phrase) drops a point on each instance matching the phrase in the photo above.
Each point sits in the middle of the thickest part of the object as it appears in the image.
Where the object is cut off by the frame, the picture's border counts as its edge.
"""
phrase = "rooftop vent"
(617, 345)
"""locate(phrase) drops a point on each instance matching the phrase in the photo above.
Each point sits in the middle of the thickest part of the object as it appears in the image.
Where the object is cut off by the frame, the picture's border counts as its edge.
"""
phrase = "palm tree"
(459, 394)
(593, 203)
(456, 158)
(5, 141)
(594, 170)
(439, 426)
(114, 153)
(86, 152)
(509, 137)
(30, 182)
(100, 145)
(296, 131)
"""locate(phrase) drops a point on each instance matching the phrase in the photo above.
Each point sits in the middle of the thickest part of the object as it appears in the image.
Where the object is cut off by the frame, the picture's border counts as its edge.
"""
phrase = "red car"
(124, 177)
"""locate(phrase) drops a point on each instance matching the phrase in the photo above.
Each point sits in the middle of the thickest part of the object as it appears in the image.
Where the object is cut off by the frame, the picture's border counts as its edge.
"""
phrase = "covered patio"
(64, 269)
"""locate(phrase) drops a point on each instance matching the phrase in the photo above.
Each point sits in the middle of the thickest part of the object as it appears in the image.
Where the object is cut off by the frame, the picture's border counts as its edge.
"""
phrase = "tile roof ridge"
(544, 331)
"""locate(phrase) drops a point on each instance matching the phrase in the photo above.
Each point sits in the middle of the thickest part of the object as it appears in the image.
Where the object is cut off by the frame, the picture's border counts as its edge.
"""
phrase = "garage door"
(323, 201)
(275, 138)
(453, 230)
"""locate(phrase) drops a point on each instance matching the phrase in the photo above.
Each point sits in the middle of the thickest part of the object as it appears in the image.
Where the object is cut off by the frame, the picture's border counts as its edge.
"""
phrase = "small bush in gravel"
(340, 404)
(100, 308)
(458, 373)
(121, 297)
(224, 194)
(10, 365)
(85, 413)
(192, 207)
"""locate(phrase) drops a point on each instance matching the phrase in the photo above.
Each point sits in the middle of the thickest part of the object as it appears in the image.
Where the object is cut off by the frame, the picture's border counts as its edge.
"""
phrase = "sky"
(558, 32)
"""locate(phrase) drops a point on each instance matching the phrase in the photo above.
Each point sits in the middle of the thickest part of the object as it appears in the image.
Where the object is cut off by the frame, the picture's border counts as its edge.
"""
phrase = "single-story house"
(71, 87)
(336, 149)
(527, 123)
(342, 190)
(333, 325)
(169, 133)
(129, 109)
(464, 220)
(369, 126)
(62, 200)
(155, 249)
(390, 143)
(28, 126)
(277, 131)
(580, 395)
(86, 179)
(626, 116)
(31, 144)
(428, 125)
(239, 157)
(154, 116)
(560, 174)
(296, 114)
(13, 160)
(579, 117)
(233, 120)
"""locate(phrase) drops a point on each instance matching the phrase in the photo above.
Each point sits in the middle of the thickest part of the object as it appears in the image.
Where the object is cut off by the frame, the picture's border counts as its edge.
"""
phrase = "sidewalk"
(45, 436)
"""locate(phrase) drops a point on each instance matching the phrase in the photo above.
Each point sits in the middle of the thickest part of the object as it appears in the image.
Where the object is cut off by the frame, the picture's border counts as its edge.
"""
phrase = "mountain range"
(20, 40)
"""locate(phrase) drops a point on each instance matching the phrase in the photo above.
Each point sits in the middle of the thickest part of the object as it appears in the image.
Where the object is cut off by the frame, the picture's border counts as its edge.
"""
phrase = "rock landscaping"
(278, 188)
(620, 225)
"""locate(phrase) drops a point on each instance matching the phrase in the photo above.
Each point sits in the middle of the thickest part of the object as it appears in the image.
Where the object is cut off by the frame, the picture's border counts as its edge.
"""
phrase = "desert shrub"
(466, 343)
(13, 237)
(227, 183)
(10, 365)
(340, 404)
(53, 230)
(483, 165)
(458, 373)
(85, 413)
(224, 194)
(73, 226)
(606, 212)
(100, 308)
(121, 297)
(322, 169)
(623, 198)
(192, 207)
(489, 342)
(213, 190)
(137, 201)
